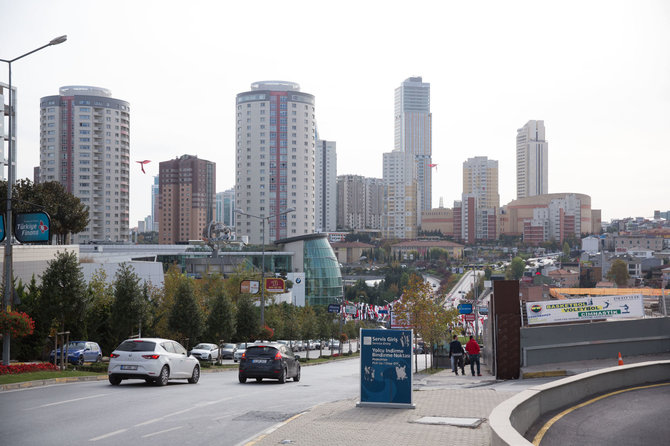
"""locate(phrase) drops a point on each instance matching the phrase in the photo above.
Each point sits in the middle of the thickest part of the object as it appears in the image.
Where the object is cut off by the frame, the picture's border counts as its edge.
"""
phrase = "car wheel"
(164, 376)
(209, 357)
(114, 380)
(259, 380)
(296, 378)
(80, 361)
(282, 377)
(235, 360)
(195, 376)
(242, 379)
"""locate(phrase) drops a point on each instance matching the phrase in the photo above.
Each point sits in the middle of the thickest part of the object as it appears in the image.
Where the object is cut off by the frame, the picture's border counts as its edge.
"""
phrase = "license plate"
(128, 367)
(259, 361)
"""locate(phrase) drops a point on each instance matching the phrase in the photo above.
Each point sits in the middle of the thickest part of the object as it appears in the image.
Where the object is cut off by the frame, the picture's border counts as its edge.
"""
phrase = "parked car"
(269, 360)
(334, 345)
(79, 352)
(205, 352)
(241, 348)
(228, 351)
(154, 360)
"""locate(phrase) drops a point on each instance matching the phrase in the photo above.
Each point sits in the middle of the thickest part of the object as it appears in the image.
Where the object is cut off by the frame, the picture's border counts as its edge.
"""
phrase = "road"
(628, 417)
(217, 410)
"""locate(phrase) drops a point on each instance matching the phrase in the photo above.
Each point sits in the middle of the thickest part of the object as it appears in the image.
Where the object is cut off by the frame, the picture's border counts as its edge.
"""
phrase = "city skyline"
(601, 88)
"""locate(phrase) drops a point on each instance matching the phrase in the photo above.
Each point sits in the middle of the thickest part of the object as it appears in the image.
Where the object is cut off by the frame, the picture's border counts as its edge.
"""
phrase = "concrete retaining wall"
(511, 419)
(596, 340)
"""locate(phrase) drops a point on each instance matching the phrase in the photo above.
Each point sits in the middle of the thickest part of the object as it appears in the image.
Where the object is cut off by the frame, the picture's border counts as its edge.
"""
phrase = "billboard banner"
(32, 227)
(585, 308)
(386, 368)
(274, 285)
(249, 286)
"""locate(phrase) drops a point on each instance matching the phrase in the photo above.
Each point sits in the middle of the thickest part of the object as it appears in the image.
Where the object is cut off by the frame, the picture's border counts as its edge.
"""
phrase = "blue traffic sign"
(465, 308)
(334, 308)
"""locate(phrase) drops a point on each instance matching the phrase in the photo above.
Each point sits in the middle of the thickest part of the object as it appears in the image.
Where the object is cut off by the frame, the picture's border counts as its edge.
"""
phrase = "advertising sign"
(397, 322)
(386, 368)
(334, 308)
(469, 317)
(250, 286)
(585, 308)
(350, 309)
(274, 285)
(32, 227)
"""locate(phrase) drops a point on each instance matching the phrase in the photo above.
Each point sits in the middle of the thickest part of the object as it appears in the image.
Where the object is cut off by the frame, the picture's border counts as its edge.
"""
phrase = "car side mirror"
(87, 349)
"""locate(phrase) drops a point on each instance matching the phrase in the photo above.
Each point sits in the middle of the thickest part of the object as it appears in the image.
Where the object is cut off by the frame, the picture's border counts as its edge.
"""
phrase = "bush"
(17, 323)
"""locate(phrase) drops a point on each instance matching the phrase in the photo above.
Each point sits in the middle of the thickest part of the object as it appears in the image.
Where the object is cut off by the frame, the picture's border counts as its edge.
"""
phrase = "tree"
(248, 317)
(221, 320)
(99, 314)
(33, 345)
(185, 319)
(129, 307)
(618, 273)
(64, 293)
(309, 325)
(516, 268)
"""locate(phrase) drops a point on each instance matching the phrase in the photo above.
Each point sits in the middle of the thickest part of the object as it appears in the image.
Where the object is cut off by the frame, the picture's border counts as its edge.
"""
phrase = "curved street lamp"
(10, 183)
(263, 220)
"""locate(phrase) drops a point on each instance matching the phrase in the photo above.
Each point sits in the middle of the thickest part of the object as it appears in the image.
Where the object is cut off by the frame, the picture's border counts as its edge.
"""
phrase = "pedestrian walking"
(472, 348)
(456, 354)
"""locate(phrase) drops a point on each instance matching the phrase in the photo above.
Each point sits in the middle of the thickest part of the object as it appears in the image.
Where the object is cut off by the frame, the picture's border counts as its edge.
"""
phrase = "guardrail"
(513, 417)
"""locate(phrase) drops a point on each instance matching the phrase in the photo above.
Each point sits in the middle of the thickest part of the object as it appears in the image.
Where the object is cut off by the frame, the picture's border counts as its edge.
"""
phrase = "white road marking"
(69, 401)
(102, 437)
(161, 432)
(148, 422)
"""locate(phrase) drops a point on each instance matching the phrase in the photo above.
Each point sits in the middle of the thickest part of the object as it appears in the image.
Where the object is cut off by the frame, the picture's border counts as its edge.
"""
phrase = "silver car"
(154, 360)
(205, 352)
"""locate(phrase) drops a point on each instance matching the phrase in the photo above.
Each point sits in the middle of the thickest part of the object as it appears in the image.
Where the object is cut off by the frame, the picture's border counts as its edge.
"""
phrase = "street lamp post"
(263, 219)
(10, 182)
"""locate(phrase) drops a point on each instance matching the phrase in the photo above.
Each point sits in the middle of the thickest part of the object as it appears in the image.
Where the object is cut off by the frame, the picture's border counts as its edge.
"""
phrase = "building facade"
(7, 108)
(360, 202)
(275, 161)
(532, 160)
(225, 207)
(85, 146)
(155, 201)
(480, 190)
(187, 198)
(325, 176)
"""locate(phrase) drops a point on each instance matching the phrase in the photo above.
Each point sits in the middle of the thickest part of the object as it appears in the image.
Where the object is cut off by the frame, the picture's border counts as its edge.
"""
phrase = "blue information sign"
(465, 308)
(386, 368)
(2, 227)
(32, 227)
(333, 308)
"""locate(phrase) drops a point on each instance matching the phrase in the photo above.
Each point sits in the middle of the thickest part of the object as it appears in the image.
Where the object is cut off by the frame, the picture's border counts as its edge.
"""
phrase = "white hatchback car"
(154, 360)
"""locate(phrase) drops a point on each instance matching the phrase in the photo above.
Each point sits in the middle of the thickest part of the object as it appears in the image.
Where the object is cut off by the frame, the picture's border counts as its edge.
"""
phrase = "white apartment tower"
(275, 161)
(85, 145)
(359, 202)
(532, 160)
(480, 182)
(326, 185)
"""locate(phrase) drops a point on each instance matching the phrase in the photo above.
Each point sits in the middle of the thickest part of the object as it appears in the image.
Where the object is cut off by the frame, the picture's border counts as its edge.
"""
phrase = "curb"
(545, 374)
(46, 382)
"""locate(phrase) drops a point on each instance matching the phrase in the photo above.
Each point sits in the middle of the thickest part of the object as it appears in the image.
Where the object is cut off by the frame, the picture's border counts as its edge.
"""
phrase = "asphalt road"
(218, 410)
(636, 416)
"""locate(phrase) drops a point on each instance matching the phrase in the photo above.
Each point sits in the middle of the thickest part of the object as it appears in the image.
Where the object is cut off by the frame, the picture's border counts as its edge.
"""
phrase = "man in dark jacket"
(456, 355)
(472, 347)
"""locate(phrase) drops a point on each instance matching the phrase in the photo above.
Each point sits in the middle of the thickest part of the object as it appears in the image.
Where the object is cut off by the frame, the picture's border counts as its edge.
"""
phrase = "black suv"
(269, 360)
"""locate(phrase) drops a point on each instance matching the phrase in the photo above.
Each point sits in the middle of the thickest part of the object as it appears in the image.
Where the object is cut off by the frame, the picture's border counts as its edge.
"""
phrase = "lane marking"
(271, 430)
(161, 432)
(102, 437)
(68, 401)
(540, 434)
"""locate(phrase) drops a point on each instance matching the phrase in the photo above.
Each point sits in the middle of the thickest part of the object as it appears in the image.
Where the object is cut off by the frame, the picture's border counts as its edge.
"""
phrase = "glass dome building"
(314, 256)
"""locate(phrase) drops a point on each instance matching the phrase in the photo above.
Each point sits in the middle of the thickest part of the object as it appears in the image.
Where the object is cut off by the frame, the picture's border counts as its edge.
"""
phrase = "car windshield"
(229, 346)
(204, 347)
(136, 346)
(262, 350)
(76, 345)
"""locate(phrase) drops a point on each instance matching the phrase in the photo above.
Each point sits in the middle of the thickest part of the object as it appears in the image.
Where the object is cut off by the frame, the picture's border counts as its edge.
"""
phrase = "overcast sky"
(597, 73)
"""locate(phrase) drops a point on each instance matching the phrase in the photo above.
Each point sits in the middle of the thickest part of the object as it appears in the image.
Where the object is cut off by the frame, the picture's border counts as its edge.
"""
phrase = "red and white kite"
(142, 163)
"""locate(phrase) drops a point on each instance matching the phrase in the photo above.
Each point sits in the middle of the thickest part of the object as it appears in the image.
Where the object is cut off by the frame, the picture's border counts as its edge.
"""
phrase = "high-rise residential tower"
(532, 160)
(325, 176)
(275, 161)
(480, 200)
(187, 198)
(225, 207)
(412, 147)
(7, 108)
(85, 145)
(155, 197)
(359, 202)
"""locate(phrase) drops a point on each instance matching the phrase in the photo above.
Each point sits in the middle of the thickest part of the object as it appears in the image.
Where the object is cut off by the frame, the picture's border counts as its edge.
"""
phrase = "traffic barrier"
(620, 359)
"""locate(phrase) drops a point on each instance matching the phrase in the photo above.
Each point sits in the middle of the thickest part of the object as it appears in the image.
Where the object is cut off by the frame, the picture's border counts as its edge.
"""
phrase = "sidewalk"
(440, 395)
(456, 399)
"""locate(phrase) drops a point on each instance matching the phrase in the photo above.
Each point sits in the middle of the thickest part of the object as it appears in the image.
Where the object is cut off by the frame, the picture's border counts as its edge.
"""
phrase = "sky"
(597, 73)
